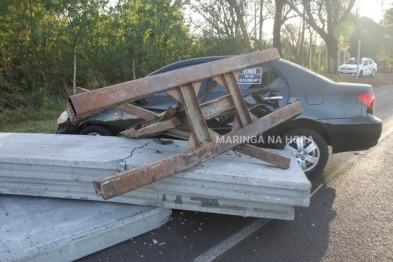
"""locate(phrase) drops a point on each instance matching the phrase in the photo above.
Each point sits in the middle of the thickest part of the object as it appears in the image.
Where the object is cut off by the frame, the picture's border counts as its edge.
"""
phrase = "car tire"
(373, 73)
(95, 130)
(360, 73)
(311, 152)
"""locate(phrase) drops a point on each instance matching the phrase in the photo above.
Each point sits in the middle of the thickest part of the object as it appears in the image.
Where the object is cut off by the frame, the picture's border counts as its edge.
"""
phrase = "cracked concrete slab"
(3, 211)
(65, 165)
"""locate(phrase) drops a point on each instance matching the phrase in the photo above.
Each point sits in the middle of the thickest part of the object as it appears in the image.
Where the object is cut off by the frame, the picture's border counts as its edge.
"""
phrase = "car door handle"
(272, 98)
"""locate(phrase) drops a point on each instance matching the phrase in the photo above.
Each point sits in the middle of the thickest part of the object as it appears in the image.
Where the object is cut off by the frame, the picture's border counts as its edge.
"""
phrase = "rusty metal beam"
(130, 180)
(128, 108)
(151, 129)
(208, 90)
(115, 95)
(169, 113)
(178, 133)
(238, 99)
(137, 111)
(220, 106)
(264, 155)
(195, 117)
(217, 106)
(259, 153)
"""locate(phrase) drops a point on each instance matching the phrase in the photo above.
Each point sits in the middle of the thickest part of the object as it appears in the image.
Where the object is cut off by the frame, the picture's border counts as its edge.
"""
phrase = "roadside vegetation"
(117, 41)
(380, 79)
(24, 120)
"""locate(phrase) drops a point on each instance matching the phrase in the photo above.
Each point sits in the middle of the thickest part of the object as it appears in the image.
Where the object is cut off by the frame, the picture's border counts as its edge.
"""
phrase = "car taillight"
(367, 99)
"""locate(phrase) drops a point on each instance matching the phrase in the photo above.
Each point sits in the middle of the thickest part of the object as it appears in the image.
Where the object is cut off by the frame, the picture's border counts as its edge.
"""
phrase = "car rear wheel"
(361, 73)
(95, 130)
(373, 73)
(309, 148)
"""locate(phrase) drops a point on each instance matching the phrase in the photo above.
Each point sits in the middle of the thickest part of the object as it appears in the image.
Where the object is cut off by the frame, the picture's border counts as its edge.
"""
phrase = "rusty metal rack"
(187, 120)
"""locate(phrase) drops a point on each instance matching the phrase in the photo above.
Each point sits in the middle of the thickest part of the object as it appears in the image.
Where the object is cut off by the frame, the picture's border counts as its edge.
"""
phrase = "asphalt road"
(350, 218)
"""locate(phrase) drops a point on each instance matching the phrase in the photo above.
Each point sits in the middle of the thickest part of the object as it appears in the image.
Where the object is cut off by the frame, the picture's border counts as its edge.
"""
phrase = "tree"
(38, 39)
(224, 19)
(281, 15)
(387, 29)
(370, 34)
(324, 16)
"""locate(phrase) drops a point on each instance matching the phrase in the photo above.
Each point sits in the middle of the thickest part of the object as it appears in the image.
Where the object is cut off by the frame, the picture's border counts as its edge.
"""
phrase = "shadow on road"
(304, 239)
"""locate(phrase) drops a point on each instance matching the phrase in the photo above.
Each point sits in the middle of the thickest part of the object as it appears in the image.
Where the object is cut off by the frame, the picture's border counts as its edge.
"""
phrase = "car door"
(366, 66)
(371, 66)
(267, 96)
(264, 91)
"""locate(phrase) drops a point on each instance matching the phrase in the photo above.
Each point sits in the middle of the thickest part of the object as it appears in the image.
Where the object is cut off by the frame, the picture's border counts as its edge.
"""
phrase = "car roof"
(187, 63)
(290, 68)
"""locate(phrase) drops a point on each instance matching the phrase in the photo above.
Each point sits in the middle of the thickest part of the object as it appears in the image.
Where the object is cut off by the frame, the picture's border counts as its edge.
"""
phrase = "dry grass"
(380, 79)
(31, 121)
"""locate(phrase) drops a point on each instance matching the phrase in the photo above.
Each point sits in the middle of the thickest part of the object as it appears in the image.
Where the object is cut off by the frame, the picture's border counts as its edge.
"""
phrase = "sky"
(373, 9)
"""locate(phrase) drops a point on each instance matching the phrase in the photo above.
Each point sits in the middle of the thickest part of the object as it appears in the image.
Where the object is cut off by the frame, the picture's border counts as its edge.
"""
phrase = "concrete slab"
(64, 166)
(49, 229)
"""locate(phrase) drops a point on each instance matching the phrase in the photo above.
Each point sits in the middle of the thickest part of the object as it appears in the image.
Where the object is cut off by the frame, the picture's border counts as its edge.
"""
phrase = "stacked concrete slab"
(64, 165)
(48, 229)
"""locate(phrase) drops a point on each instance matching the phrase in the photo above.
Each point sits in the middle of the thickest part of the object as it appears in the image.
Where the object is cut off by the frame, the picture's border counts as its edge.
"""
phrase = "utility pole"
(309, 57)
(326, 61)
(260, 21)
(302, 40)
(338, 55)
(133, 69)
(255, 20)
(74, 78)
(319, 60)
(357, 75)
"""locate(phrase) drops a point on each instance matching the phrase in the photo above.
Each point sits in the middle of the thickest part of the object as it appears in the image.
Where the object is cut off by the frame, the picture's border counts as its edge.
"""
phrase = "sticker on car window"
(250, 76)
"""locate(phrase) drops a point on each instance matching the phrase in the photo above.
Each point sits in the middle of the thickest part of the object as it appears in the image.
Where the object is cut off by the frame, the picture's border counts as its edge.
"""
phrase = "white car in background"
(367, 67)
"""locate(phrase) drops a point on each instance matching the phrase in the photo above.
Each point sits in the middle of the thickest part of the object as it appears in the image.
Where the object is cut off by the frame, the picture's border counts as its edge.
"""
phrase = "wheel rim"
(93, 134)
(305, 150)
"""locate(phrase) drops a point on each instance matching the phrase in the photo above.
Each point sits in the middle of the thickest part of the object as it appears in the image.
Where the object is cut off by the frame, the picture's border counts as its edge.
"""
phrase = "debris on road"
(187, 120)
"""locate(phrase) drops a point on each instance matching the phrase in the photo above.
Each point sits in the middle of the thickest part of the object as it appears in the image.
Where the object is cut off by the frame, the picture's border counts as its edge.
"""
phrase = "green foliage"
(386, 53)
(370, 34)
(41, 120)
(40, 37)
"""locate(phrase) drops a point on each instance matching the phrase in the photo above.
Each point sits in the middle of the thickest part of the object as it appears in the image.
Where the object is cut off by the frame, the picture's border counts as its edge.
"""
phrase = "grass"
(380, 79)
(24, 120)
(44, 120)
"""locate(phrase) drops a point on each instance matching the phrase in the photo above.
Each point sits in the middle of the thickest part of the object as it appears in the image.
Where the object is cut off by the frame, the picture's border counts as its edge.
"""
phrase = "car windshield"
(351, 61)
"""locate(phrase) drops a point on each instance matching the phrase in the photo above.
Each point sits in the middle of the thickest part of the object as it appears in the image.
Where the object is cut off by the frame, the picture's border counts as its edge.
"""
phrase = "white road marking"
(381, 87)
(228, 243)
(231, 241)
(385, 134)
(316, 190)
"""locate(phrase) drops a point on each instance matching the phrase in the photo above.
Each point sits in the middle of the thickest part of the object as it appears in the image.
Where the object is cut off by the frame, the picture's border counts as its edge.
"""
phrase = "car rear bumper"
(353, 134)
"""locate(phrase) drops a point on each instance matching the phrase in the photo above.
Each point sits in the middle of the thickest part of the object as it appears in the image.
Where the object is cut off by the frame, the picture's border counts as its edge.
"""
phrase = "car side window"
(263, 76)
(366, 62)
(259, 76)
(276, 80)
(270, 79)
